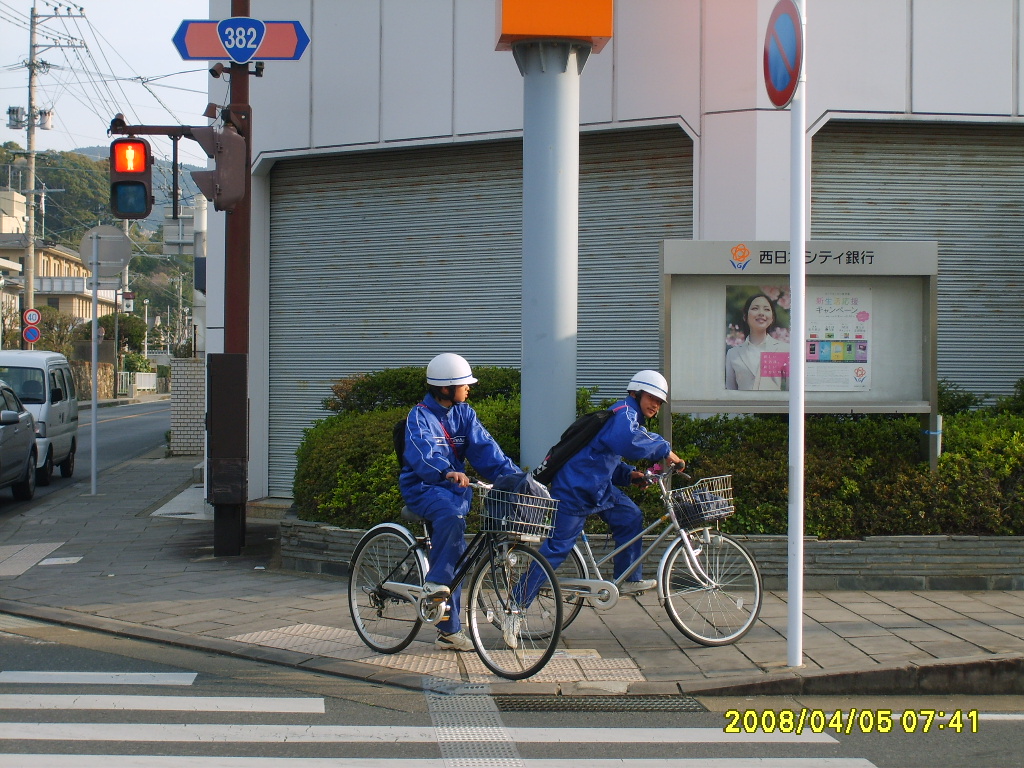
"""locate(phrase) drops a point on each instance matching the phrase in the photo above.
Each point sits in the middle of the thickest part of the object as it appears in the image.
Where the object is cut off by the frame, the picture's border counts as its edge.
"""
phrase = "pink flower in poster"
(863, 316)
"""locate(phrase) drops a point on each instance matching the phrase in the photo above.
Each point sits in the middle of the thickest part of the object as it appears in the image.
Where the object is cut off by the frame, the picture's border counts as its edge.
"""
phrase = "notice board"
(870, 340)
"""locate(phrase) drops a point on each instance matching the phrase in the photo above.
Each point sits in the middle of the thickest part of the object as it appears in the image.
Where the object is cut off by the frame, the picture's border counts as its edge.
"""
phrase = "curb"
(997, 674)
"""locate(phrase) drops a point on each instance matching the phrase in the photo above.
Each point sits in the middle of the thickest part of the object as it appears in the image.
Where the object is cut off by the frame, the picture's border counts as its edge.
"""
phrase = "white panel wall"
(963, 57)
(416, 68)
(657, 59)
(484, 75)
(345, 61)
(596, 87)
(283, 120)
(728, 174)
(857, 56)
(733, 46)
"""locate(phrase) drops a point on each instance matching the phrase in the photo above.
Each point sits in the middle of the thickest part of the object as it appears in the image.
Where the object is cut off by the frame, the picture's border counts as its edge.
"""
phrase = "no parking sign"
(783, 53)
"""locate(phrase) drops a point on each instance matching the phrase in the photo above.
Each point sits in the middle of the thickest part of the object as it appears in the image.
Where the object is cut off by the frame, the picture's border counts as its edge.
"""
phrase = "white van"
(43, 383)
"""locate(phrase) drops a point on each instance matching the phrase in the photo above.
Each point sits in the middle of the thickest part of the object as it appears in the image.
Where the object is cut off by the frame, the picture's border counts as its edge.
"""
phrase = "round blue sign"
(31, 334)
(241, 37)
(783, 53)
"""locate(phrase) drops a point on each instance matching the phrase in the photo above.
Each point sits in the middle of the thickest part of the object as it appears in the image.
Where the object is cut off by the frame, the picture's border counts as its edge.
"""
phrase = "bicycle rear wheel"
(384, 619)
(513, 637)
(723, 610)
(572, 602)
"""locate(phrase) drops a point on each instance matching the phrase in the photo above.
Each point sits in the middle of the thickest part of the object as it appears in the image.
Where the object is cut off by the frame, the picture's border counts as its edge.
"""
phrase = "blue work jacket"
(438, 440)
(586, 484)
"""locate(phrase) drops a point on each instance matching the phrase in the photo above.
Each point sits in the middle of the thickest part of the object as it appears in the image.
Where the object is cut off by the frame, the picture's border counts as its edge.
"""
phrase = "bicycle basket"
(518, 513)
(703, 503)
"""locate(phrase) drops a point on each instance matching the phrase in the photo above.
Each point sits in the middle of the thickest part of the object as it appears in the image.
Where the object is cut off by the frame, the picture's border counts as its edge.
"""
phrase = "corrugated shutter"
(962, 185)
(385, 258)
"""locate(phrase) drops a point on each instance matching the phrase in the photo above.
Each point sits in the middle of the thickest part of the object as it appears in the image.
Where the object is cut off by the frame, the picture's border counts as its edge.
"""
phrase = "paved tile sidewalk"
(137, 559)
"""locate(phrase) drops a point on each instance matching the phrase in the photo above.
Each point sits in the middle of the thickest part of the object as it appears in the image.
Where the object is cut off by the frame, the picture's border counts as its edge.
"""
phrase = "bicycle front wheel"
(514, 635)
(384, 619)
(723, 609)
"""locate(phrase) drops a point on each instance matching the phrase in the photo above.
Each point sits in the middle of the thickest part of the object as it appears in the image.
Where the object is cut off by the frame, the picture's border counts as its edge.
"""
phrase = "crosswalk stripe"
(162, 703)
(98, 678)
(174, 761)
(221, 732)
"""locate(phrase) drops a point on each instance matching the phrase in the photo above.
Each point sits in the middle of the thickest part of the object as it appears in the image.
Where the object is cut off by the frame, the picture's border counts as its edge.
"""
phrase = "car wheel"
(45, 473)
(25, 489)
(67, 467)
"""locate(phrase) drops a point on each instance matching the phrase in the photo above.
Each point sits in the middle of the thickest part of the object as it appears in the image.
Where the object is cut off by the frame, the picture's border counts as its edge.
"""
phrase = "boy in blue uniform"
(586, 484)
(441, 433)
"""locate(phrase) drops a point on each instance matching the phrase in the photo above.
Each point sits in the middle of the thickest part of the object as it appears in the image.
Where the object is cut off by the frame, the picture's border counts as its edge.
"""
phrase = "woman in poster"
(743, 363)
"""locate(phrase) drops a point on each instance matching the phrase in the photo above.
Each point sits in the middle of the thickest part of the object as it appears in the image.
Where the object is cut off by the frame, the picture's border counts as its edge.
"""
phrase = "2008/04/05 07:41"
(861, 720)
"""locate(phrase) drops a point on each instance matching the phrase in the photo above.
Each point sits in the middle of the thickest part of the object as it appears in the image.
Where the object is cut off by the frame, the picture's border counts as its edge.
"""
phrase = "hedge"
(863, 473)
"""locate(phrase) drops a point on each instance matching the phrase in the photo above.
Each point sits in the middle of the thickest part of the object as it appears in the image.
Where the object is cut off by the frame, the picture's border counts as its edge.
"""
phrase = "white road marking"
(97, 678)
(159, 703)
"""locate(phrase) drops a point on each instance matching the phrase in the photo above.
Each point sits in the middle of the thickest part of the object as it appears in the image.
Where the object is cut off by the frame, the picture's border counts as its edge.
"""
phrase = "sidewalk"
(137, 560)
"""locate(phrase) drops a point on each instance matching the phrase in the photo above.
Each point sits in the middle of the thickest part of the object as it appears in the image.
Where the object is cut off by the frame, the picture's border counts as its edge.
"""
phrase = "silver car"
(17, 445)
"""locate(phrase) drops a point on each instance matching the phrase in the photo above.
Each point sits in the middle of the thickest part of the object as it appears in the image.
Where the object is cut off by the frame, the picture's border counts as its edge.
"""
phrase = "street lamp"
(145, 338)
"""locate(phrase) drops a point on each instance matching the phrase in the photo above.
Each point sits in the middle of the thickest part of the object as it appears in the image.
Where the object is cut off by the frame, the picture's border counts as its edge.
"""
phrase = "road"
(123, 432)
(90, 700)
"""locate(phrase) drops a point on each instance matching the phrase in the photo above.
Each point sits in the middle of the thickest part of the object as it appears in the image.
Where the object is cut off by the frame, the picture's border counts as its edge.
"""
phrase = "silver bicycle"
(708, 582)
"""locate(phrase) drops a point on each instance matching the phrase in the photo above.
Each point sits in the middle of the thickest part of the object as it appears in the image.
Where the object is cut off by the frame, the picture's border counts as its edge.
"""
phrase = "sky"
(86, 87)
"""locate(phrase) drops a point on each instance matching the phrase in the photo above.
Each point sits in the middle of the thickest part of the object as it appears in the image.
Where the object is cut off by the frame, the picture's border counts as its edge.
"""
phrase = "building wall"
(383, 74)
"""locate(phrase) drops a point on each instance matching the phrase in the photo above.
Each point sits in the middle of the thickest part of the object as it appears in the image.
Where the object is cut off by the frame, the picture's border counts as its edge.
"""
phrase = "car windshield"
(28, 383)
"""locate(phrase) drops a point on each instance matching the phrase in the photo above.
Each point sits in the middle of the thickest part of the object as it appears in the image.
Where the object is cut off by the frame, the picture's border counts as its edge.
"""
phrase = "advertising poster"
(757, 337)
(838, 343)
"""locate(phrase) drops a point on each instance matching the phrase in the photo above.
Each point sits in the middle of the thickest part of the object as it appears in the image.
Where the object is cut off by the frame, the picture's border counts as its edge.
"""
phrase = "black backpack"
(575, 438)
(398, 437)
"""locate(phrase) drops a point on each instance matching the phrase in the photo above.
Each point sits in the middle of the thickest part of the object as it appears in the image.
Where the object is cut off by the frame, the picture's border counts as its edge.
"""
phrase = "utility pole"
(34, 64)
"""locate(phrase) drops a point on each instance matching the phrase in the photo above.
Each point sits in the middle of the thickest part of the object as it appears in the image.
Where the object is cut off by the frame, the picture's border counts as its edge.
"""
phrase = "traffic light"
(131, 178)
(225, 185)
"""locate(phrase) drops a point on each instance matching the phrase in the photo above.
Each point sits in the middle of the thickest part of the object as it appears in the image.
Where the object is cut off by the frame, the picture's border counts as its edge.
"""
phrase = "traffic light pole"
(227, 374)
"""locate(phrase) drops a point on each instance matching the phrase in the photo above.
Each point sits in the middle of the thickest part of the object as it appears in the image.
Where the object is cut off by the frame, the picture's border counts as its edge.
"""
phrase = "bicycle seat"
(411, 517)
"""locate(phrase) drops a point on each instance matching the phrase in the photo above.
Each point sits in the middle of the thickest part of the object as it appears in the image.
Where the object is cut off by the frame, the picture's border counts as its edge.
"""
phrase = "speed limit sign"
(32, 316)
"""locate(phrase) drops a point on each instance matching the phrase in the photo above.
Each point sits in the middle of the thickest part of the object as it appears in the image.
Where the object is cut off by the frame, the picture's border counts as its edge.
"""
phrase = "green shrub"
(394, 387)
(1013, 403)
(347, 472)
(955, 399)
(863, 474)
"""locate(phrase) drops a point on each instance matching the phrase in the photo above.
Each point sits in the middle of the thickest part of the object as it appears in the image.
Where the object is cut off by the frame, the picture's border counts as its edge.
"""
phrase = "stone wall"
(81, 371)
(188, 406)
(878, 562)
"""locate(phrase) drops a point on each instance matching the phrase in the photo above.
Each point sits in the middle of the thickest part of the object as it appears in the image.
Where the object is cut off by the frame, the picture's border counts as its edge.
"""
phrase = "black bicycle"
(513, 638)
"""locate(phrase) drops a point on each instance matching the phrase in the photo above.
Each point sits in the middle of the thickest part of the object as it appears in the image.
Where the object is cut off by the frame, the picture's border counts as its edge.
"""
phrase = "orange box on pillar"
(586, 20)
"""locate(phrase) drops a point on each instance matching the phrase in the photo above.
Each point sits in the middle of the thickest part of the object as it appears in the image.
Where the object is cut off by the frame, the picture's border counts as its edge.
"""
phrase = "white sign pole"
(797, 369)
(94, 267)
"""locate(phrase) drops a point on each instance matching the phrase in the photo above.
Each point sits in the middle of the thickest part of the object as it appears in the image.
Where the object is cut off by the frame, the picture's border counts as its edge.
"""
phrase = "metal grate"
(598, 704)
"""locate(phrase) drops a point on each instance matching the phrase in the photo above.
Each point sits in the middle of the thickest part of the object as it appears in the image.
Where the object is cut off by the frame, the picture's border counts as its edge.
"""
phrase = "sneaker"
(510, 629)
(432, 591)
(636, 587)
(456, 641)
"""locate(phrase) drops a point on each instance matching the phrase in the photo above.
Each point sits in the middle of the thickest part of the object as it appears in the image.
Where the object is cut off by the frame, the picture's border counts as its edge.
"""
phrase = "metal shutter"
(962, 185)
(382, 259)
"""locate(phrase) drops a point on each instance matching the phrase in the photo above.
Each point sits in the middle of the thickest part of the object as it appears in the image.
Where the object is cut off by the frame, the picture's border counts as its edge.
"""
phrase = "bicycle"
(707, 581)
(513, 639)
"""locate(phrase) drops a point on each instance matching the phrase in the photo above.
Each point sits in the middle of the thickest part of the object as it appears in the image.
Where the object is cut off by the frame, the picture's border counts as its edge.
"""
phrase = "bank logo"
(740, 256)
(860, 373)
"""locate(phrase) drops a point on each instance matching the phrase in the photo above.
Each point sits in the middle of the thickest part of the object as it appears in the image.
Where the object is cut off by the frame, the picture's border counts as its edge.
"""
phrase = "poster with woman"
(757, 337)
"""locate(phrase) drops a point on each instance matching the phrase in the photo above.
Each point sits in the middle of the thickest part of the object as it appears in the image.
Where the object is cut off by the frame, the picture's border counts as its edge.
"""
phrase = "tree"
(131, 330)
(57, 329)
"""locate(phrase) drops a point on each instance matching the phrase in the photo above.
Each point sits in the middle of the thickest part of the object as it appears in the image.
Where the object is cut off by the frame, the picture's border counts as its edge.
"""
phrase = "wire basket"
(704, 503)
(528, 517)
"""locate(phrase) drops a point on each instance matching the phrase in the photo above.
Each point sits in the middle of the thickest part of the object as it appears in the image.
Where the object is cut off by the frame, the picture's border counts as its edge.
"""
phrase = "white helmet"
(449, 370)
(649, 381)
